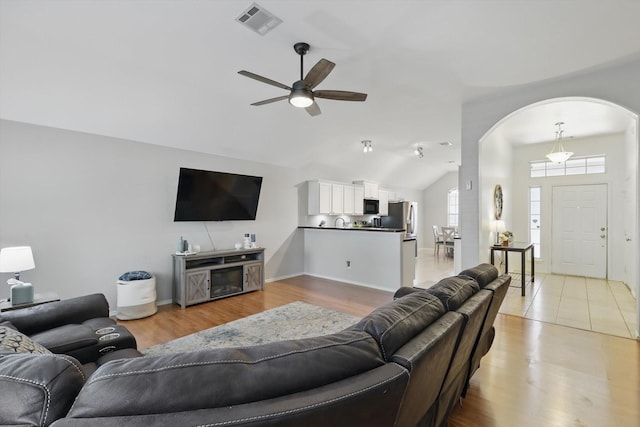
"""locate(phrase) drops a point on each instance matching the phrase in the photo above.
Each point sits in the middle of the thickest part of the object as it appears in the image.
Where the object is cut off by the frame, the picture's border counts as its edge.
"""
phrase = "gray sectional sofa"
(405, 364)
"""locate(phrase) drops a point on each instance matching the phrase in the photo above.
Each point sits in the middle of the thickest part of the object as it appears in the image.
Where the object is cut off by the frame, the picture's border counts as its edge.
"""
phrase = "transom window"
(574, 166)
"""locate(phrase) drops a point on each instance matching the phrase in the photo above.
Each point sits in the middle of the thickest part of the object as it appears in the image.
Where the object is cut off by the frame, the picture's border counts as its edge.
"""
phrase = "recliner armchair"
(79, 327)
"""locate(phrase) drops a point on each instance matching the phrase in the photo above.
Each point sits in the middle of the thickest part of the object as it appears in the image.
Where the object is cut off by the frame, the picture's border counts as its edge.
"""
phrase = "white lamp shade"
(500, 226)
(16, 259)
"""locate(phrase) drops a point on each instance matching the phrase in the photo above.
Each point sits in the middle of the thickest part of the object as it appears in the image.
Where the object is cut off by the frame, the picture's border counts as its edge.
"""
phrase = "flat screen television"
(216, 196)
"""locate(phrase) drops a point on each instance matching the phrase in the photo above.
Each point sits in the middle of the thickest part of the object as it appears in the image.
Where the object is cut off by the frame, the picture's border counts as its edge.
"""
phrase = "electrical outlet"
(348, 264)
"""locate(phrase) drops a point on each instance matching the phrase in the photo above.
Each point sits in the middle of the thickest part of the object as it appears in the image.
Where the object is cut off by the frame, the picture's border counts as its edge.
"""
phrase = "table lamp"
(15, 260)
(500, 227)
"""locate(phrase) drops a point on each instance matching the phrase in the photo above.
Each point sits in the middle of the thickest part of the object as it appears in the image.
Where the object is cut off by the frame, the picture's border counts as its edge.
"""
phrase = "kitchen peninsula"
(382, 258)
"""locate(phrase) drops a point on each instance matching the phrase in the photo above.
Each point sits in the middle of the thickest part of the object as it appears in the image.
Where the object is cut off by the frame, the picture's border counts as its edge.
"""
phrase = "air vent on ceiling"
(259, 19)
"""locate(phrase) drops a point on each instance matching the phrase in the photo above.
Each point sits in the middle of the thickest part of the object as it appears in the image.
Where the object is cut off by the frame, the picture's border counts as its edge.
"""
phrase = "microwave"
(371, 207)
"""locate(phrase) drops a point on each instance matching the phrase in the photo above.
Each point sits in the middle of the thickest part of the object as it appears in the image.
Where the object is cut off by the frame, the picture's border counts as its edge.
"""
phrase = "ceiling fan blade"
(270, 100)
(318, 73)
(340, 95)
(313, 109)
(263, 79)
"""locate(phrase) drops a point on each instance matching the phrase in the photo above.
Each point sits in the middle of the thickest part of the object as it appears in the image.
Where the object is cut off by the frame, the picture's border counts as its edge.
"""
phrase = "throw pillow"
(17, 342)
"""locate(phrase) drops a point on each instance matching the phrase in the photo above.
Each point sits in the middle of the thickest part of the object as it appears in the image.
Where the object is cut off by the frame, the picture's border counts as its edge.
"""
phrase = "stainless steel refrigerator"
(402, 215)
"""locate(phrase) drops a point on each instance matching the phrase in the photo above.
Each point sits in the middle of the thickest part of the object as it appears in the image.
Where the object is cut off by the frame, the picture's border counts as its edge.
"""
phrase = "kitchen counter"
(383, 258)
(383, 229)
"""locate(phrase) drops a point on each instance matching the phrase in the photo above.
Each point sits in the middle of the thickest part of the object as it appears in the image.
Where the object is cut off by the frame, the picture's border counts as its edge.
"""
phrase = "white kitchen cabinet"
(349, 201)
(325, 198)
(319, 197)
(337, 199)
(358, 199)
(383, 196)
(370, 189)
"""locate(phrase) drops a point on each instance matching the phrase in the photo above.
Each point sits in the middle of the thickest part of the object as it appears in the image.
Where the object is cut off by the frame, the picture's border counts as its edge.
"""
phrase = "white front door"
(579, 230)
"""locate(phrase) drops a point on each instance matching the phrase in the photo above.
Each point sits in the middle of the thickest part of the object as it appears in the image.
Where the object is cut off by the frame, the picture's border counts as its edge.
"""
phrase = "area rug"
(287, 322)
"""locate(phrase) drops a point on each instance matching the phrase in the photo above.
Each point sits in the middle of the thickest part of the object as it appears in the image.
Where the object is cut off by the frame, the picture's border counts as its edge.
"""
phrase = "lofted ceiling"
(165, 72)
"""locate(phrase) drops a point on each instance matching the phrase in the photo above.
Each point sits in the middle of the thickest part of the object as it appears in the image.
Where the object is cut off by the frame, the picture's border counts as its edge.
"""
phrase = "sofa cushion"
(482, 273)
(224, 377)
(8, 324)
(17, 342)
(454, 291)
(397, 322)
(64, 339)
(37, 389)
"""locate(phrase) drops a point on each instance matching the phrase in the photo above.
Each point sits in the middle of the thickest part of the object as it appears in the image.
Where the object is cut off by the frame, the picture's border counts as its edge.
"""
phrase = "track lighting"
(418, 152)
(366, 146)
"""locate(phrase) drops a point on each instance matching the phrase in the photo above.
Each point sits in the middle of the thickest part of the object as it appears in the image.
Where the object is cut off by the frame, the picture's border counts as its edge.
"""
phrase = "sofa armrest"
(37, 389)
(42, 317)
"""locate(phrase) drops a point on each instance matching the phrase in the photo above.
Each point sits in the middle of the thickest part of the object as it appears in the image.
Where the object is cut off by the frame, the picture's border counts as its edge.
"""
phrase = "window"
(534, 220)
(574, 166)
(452, 208)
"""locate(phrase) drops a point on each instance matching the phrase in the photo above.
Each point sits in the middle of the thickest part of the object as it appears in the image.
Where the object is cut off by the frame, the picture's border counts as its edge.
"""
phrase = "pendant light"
(558, 154)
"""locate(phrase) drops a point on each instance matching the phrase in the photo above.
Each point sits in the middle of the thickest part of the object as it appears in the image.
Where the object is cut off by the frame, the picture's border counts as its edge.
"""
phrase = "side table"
(38, 299)
(522, 248)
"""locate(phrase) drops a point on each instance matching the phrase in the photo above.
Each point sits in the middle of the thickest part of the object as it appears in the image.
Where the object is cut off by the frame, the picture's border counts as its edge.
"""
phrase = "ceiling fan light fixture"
(300, 100)
(558, 154)
(300, 96)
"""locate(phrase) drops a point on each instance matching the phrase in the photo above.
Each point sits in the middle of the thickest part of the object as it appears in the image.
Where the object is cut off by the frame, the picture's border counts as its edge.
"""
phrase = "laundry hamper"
(136, 295)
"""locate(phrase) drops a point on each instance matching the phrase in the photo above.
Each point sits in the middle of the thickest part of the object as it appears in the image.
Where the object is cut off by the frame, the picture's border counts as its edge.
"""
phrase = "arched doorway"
(527, 134)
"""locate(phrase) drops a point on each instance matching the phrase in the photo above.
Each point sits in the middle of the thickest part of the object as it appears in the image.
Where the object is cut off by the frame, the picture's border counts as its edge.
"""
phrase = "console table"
(522, 248)
(206, 276)
(38, 299)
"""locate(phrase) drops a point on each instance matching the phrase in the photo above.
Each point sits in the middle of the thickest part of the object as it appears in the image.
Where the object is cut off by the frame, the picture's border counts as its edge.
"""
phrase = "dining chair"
(437, 240)
(448, 234)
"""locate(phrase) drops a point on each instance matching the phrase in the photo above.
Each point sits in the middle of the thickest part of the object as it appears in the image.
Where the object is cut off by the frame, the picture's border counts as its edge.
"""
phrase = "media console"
(206, 276)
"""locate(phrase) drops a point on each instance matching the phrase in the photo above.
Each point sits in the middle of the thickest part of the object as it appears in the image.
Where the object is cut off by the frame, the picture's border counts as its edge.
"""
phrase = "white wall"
(495, 159)
(613, 147)
(631, 206)
(434, 209)
(94, 207)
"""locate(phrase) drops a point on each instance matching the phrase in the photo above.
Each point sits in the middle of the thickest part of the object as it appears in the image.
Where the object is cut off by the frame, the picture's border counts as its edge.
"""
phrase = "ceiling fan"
(301, 93)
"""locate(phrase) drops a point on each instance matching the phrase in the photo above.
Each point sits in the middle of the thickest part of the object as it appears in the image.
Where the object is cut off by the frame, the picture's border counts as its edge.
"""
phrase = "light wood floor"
(536, 373)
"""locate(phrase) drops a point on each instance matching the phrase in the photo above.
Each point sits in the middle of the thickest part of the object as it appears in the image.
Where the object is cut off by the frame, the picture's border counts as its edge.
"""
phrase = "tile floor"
(597, 305)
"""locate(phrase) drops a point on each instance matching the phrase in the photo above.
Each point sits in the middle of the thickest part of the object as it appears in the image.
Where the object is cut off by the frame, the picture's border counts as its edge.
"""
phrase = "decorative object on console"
(558, 154)
(15, 260)
(505, 237)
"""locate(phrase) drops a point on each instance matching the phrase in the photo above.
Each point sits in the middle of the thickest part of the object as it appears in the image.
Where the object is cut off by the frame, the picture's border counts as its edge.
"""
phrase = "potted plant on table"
(506, 237)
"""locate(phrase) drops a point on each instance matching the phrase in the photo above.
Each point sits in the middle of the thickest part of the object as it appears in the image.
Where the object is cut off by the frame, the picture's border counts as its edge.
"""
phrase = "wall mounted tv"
(216, 196)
